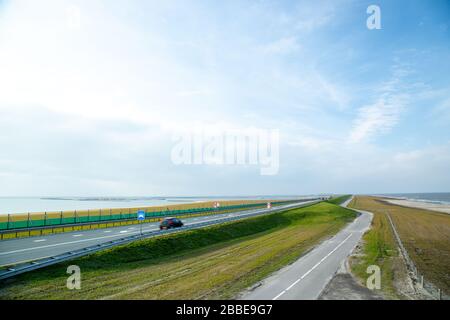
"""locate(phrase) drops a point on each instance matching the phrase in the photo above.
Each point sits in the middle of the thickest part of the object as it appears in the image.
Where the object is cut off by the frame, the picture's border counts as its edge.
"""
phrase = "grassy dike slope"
(425, 235)
(211, 263)
(379, 248)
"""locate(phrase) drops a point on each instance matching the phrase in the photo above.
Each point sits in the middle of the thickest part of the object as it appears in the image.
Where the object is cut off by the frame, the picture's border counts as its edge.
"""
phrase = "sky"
(93, 92)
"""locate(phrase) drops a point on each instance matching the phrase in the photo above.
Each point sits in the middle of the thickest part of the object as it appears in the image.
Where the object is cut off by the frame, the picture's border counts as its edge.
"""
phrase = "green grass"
(425, 235)
(340, 199)
(211, 263)
(379, 248)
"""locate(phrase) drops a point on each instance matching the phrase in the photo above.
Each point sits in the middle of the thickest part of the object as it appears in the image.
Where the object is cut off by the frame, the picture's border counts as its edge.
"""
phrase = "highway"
(16, 251)
(306, 278)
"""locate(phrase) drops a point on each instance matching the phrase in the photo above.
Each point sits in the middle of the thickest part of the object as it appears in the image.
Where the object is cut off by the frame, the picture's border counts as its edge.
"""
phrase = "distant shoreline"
(420, 204)
(431, 197)
(23, 205)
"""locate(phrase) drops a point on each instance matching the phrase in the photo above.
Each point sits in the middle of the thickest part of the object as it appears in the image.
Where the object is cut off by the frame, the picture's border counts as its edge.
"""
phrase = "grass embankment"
(425, 235)
(339, 200)
(379, 248)
(211, 263)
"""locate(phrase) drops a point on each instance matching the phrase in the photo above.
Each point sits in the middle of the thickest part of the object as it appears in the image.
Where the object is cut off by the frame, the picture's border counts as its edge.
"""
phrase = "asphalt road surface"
(306, 278)
(23, 250)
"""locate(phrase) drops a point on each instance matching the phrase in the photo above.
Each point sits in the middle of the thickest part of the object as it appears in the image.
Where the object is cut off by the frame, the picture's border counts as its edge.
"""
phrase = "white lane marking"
(107, 231)
(73, 242)
(132, 228)
(69, 242)
(279, 295)
(315, 266)
(63, 243)
(77, 235)
(91, 239)
(40, 240)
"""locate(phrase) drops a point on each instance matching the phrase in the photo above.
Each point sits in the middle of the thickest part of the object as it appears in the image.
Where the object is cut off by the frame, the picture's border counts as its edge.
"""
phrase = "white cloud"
(282, 46)
(336, 93)
(378, 118)
(313, 15)
(91, 103)
(442, 111)
(383, 115)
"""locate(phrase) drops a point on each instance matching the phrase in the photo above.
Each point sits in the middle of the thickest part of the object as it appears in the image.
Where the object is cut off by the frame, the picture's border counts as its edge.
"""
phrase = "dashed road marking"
(314, 267)
(80, 241)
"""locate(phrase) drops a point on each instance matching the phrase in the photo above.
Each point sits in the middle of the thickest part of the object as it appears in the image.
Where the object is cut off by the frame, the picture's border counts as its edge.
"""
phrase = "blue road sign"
(141, 215)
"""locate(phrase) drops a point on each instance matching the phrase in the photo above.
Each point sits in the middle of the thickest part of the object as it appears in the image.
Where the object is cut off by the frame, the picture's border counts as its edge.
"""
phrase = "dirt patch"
(344, 287)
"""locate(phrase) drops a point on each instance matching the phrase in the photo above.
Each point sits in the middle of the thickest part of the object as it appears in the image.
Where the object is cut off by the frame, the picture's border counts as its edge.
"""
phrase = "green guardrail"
(61, 220)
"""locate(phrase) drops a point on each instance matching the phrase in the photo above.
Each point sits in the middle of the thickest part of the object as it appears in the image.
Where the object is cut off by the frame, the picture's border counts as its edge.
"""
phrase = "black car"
(168, 223)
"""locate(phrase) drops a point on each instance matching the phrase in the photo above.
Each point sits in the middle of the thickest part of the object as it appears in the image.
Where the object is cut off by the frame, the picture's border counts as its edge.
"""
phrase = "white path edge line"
(314, 267)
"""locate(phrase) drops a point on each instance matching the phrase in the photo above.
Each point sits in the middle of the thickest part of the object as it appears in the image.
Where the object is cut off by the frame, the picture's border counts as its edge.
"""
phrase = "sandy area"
(421, 205)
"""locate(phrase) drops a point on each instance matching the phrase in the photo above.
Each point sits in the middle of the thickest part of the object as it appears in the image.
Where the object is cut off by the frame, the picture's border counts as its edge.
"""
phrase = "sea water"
(436, 197)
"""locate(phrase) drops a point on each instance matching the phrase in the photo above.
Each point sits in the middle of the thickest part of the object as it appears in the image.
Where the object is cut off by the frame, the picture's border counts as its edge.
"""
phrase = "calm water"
(22, 205)
(29, 204)
(438, 197)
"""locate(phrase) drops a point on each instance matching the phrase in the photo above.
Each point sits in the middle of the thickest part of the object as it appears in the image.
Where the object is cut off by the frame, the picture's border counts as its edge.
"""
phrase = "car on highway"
(168, 223)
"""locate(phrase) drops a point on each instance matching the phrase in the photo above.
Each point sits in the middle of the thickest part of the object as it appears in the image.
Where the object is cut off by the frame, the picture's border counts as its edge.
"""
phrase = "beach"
(421, 205)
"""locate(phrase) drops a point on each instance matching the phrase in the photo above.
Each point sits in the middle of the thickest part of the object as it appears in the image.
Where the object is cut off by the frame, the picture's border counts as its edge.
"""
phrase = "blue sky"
(92, 92)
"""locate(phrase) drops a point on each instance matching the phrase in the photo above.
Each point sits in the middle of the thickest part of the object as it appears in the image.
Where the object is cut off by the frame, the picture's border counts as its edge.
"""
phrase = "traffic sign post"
(141, 217)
